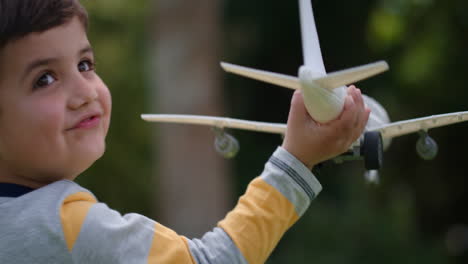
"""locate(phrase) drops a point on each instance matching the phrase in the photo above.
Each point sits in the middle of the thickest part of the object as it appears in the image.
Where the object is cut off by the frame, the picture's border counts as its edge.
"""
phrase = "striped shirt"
(64, 223)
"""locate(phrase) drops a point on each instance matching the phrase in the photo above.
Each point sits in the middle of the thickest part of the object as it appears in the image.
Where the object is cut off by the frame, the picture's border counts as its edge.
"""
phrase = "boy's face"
(54, 108)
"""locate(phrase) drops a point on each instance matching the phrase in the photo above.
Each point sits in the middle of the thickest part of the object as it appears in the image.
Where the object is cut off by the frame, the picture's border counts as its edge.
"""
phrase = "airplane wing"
(396, 129)
(269, 77)
(310, 41)
(349, 76)
(219, 122)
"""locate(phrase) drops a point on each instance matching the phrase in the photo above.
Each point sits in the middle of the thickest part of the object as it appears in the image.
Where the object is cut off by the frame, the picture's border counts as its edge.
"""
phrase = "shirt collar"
(13, 190)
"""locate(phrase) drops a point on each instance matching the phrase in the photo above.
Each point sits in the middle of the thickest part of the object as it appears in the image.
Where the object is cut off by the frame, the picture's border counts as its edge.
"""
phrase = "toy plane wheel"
(372, 150)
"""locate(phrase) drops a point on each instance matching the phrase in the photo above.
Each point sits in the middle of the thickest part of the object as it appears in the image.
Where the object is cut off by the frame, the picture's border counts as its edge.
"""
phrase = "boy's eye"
(44, 80)
(85, 66)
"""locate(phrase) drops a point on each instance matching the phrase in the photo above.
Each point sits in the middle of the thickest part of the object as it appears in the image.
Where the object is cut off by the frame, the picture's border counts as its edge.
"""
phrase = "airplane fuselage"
(325, 104)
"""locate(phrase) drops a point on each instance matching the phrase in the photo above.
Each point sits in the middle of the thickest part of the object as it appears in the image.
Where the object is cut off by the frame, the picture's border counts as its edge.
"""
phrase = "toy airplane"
(324, 95)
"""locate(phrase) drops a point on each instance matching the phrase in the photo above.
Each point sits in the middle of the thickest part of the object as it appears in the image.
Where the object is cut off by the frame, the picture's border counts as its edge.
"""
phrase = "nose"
(82, 92)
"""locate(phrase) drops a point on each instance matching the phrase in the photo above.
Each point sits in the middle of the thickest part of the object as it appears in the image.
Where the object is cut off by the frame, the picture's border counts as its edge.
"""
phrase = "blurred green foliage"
(406, 218)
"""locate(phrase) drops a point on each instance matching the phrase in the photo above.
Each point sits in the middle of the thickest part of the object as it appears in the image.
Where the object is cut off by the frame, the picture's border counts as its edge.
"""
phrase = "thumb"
(298, 112)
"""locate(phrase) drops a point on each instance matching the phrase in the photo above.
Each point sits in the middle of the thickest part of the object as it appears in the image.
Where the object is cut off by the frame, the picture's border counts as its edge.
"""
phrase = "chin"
(85, 163)
(89, 155)
(97, 151)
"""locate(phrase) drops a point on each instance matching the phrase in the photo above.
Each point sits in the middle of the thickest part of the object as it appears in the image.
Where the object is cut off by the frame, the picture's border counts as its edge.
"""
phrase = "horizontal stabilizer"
(219, 122)
(349, 76)
(401, 128)
(264, 76)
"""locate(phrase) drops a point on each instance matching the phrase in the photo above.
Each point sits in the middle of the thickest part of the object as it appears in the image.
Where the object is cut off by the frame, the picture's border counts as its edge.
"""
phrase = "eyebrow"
(46, 61)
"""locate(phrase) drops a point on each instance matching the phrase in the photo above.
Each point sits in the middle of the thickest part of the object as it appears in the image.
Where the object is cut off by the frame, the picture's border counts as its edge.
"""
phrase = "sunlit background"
(162, 56)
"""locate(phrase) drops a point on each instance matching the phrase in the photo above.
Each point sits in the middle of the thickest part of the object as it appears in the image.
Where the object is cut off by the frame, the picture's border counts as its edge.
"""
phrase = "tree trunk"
(192, 180)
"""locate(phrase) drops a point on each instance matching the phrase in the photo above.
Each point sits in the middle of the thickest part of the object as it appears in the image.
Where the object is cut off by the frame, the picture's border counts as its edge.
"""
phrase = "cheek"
(48, 111)
(43, 120)
(106, 101)
(31, 133)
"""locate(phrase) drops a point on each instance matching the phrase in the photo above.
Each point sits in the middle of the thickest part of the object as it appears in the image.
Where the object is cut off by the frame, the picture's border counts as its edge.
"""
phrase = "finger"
(350, 90)
(357, 96)
(348, 116)
(297, 106)
(361, 108)
(365, 118)
(361, 116)
(298, 115)
(362, 124)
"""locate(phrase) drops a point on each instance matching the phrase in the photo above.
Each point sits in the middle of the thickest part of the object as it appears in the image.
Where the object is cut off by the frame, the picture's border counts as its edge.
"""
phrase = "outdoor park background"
(163, 56)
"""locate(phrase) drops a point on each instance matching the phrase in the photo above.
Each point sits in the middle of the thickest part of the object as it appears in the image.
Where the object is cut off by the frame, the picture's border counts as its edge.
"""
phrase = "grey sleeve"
(292, 178)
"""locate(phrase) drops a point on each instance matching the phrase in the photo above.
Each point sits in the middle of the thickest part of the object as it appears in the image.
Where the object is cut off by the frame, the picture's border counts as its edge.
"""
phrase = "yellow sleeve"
(270, 206)
(169, 247)
(259, 221)
(72, 215)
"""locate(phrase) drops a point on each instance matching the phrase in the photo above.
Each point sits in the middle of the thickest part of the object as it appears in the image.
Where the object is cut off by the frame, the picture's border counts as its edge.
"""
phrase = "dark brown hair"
(19, 18)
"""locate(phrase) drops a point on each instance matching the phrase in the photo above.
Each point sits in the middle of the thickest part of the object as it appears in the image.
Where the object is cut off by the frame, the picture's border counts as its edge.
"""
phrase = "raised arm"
(274, 201)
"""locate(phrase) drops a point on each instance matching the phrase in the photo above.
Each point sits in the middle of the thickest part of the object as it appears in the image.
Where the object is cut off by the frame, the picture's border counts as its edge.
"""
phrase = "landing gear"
(372, 177)
(225, 144)
(426, 146)
(372, 150)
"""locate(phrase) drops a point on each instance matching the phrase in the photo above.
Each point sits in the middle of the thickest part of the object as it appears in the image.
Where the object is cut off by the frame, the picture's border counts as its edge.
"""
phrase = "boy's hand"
(311, 142)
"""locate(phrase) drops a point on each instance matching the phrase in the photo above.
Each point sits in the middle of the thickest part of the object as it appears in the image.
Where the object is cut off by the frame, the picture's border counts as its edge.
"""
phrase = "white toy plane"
(324, 95)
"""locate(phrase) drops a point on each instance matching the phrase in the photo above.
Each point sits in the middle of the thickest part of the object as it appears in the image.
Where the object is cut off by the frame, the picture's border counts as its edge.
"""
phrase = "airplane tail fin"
(310, 41)
(264, 76)
(349, 76)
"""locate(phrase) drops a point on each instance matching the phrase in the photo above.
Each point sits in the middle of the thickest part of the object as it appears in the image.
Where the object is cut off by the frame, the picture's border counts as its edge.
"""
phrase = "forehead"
(58, 42)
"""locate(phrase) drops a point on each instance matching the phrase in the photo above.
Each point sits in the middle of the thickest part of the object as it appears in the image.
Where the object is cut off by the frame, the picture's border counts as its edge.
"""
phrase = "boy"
(54, 116)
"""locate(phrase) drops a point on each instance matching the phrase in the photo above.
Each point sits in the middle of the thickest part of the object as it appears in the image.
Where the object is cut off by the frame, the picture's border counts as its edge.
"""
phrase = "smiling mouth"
(89, 122)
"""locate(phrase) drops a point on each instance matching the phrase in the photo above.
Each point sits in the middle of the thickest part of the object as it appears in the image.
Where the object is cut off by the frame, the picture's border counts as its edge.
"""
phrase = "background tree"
(193, 181)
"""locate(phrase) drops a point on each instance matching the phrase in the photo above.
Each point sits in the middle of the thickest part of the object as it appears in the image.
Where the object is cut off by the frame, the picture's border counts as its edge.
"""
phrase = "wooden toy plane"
(324, 95)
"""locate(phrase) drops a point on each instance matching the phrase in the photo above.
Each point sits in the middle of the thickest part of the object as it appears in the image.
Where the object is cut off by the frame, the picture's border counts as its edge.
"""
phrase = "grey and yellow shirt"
(64, 223)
